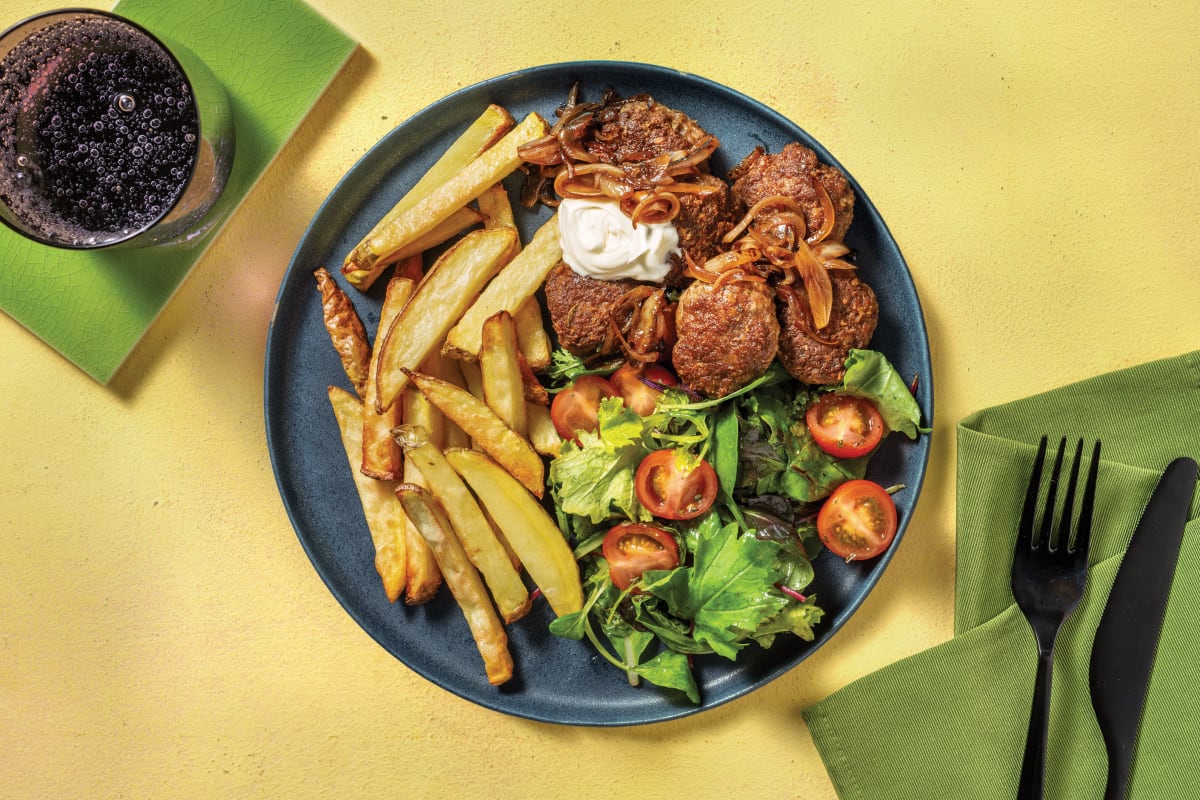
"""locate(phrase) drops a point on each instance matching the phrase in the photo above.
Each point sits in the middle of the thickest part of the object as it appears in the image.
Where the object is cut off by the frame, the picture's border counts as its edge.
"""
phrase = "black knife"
(1127, 638)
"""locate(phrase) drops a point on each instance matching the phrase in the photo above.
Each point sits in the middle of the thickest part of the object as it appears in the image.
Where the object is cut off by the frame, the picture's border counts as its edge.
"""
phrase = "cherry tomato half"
(631, 548)
(844, 426)
(858, 520)
(576, 407)
(638, 387)
(672, 486)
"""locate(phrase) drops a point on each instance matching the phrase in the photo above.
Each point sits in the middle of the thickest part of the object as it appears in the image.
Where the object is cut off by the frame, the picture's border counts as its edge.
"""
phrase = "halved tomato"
(858, 520)
(844, 426)
(577, 407)
(639, 388)
(674, 485)
(631, 548)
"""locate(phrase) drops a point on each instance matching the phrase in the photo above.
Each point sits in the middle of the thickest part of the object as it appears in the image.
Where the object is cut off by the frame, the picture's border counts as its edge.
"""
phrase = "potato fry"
(487, 430)
(380, 453)
(508, 291)
(532, 337)
(500, 368)
(463, 580)
(496, 207)
(449, 370)
(450, 285)
(527, 526)
(424, 577)
(468, 521)
(345, 330)
(384, 515)
(492, 124)
(453, 225)
(491, 166)
(542, 433)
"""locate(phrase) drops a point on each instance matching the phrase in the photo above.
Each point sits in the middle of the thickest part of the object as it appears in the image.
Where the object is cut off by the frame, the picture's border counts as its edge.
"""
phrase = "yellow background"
(162, 633)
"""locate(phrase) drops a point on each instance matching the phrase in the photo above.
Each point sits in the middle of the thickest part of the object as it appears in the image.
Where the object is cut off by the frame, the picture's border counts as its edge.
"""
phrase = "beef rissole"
(729, 330)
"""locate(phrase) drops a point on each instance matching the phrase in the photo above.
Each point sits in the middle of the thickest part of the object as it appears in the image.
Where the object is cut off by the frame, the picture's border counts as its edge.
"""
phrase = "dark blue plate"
(556, 680)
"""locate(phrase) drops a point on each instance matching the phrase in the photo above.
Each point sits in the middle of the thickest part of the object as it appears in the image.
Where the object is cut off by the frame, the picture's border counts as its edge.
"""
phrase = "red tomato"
(858, 520)
(576, 407)
(844, 426)
(636, 386)
(631, 548)
(673, 487)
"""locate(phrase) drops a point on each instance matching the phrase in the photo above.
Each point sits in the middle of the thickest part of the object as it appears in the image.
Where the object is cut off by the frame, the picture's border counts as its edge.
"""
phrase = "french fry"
(424, 577)
(463, 580)
(380, 453)
(542, 434)
(531, 332)
(489, 167)
(532, 337)
(492, 124)
(527, 526)
(345, 330)
(508, 291)
(468, 521)
(453, 225)
(449, 370)
(487, 430)
(448, 287)
(382, 510)
(500, 368)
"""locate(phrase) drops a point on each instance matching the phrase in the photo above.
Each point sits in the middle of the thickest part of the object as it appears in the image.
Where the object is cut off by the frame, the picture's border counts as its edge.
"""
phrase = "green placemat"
(275, 58)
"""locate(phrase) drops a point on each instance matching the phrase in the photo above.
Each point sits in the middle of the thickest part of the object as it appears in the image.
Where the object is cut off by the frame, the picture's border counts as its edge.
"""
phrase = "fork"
(1048, 576)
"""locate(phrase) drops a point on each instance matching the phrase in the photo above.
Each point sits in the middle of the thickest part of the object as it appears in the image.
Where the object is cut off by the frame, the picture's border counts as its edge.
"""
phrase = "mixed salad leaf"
(744, 564)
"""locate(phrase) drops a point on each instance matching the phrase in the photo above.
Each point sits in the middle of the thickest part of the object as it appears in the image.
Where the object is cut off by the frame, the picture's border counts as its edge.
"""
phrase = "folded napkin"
(950, 722)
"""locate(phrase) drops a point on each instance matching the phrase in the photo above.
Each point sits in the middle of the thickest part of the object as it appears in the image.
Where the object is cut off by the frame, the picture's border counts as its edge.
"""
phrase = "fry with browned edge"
(463, 580)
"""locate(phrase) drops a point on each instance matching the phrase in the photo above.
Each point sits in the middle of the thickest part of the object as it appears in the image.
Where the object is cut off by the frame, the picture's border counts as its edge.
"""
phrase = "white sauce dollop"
(600, 241)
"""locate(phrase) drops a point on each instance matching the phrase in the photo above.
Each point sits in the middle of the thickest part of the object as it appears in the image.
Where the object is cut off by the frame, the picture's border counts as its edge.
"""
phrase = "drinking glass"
(109, 135)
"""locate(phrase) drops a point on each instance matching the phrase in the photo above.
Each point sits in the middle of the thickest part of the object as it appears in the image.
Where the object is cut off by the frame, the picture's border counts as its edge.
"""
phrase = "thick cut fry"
(449, 370)
(468, 521)
(542, 434)
(453, 225)
(496, 207)
(424, 577)
(463, 580)
(500, 367)
(527, 526)
(488, 431)
(531, 334)
(345, 330)
(493, 123)
(382, 510)
(449, 287)
(491, 166)
(380, 453)
(508, 291)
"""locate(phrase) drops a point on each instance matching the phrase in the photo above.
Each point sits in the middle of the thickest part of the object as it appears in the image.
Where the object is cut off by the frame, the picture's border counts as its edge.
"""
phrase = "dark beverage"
(99, 131)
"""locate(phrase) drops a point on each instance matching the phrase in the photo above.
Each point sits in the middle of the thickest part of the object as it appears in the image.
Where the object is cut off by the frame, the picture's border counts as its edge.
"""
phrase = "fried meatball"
(819, 358)
(793, 172)
(702, 220)
(728, 335)
(579, 307)
(638, 129)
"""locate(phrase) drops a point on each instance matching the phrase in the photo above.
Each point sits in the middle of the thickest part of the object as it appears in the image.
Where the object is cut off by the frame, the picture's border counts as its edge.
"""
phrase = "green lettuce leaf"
(594, 478)
(870, 375)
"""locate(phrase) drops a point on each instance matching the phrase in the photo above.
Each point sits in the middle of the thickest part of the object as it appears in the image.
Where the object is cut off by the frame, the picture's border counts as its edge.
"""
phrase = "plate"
(556, 680)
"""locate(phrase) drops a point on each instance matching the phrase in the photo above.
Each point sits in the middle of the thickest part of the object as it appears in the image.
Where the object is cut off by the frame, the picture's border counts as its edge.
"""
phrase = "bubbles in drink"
(98, 130)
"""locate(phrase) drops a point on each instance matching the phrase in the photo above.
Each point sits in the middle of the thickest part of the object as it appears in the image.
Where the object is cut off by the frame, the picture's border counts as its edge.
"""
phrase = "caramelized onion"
(827, 214)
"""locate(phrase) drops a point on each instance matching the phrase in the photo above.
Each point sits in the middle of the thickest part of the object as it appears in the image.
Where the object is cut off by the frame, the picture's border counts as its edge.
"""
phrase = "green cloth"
(950, 722)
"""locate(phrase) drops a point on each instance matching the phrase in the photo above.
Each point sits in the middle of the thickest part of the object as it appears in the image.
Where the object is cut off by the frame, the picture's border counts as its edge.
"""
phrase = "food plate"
(556, 680)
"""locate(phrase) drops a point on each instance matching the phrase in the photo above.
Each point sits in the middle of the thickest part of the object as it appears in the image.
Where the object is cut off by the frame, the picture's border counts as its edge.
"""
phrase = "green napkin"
(950, 722)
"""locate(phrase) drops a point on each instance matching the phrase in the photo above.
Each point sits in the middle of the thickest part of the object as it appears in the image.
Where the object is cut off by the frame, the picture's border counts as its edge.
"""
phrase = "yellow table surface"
(162, 633)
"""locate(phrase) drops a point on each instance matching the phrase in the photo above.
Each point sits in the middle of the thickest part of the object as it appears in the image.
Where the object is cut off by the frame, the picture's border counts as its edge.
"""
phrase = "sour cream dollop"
(600, 241)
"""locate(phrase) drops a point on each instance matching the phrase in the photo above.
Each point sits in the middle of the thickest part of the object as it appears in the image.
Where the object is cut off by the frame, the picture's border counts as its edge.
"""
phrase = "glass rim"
(166, 49)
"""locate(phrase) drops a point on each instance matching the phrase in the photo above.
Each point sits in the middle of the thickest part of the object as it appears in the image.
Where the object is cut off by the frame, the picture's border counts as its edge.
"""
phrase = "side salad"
(696, 521)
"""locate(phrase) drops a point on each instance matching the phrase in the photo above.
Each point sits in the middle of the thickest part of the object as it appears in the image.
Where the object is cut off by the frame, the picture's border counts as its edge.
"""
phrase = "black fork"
(1048, 575)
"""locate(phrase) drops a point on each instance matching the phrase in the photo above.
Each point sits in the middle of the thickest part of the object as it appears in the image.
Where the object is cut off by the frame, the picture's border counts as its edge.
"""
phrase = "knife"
(1127, 638)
